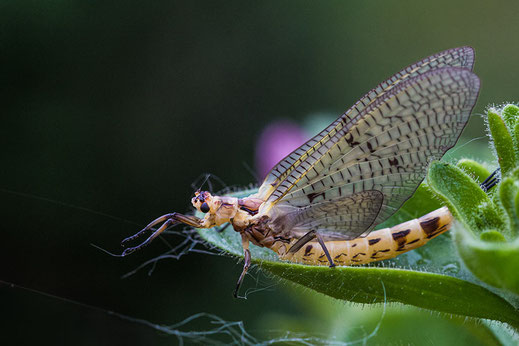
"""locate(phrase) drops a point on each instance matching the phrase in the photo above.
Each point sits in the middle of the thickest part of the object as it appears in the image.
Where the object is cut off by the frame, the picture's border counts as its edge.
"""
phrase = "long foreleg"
(378, 245)
(166, 221)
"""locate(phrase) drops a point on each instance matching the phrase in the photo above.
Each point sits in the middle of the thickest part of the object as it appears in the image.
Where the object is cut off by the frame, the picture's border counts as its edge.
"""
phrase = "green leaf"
(517, 204)
(351, 323)
(508, 193)
(369, 285)
(510, 114)
(492, 236)
(502, 141)
(465, 199)
(475, 169)
(435, 328)
(496, 263)
(505, 336)
(516, 138)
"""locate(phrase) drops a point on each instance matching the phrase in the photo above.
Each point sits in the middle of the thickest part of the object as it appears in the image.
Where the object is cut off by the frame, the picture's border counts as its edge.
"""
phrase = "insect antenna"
(206, 178)
(251, 171)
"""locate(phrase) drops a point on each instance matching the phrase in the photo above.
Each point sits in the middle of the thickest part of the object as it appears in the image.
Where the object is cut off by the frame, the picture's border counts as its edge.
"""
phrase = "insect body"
(319, 204)
(378, 245)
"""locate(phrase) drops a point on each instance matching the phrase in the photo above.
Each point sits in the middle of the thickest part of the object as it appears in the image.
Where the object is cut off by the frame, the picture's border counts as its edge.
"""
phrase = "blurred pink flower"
(276, 141)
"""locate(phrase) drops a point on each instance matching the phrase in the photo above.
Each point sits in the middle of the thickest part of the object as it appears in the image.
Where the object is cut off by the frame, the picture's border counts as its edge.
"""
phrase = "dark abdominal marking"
(376, 252)
(402, 234)
(373, 241)
(430, 227)
(307, 250)
(400, 237)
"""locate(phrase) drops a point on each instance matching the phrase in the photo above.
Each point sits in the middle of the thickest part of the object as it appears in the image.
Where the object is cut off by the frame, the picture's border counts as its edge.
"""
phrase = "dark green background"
(120, 106)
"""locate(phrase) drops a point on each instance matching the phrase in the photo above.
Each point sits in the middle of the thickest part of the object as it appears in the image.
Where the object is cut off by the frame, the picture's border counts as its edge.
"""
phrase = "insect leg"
(167, 220)
(223, 228)
(307, 238)
(155, 234)
(302, 241)
(321, 242)
(155, 222)
(246, 265)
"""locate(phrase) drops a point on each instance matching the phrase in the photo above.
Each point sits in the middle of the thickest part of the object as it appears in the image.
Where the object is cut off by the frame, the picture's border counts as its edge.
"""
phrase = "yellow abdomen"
(378, 245)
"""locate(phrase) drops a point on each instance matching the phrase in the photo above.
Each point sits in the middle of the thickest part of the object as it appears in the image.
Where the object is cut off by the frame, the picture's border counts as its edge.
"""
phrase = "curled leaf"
(510, 114)
(508, 194)
(465, 199)
(496, 263)
(516, 138)
(503, 142)
(492, 236)
(474, 169)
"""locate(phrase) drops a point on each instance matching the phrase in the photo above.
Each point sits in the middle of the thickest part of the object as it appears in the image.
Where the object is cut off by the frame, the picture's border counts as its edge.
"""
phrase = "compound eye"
(204, 207)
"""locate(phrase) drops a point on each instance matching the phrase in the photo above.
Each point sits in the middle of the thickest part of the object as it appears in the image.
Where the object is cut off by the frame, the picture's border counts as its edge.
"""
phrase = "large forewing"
(315, 155)
(389, 147)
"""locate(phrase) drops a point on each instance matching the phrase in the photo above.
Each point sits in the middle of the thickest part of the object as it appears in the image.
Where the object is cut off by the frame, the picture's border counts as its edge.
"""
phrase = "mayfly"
(319, 204)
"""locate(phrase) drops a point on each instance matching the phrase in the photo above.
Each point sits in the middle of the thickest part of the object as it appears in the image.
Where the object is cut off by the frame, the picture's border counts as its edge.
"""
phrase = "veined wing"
(355, 212)
(386, 148)
(315, 155)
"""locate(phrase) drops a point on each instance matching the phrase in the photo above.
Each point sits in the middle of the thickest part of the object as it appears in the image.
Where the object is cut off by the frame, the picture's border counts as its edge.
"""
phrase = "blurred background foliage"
(119, 106)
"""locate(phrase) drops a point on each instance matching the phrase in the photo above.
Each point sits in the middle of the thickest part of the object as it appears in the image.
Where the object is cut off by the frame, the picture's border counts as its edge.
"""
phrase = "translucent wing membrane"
(355, 212)
(382, 144)
(288, 170)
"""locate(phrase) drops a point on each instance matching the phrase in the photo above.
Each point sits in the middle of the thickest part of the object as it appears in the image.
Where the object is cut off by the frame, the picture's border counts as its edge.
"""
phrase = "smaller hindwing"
(354, 213)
